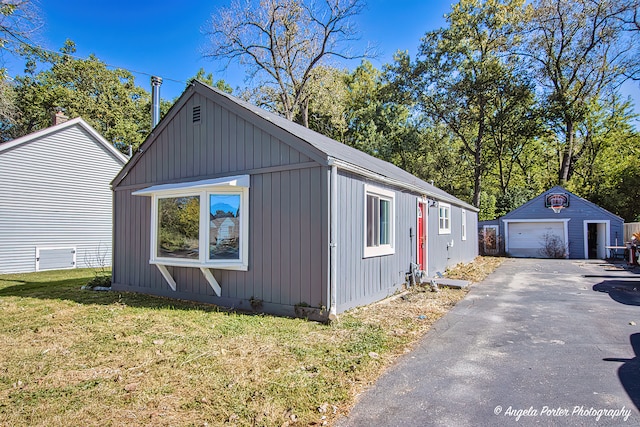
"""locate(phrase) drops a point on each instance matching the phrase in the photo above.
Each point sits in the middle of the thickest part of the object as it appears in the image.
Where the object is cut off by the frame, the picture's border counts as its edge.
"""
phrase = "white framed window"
(444, 218)
(200, 224)
(379, 225)
(463, 225)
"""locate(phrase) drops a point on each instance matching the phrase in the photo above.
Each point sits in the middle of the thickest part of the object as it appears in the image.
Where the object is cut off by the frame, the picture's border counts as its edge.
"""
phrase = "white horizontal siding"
(54, 192)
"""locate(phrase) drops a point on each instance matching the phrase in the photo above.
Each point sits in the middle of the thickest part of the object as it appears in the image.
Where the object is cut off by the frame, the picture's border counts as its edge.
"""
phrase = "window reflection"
(178, 227)
(224, 226)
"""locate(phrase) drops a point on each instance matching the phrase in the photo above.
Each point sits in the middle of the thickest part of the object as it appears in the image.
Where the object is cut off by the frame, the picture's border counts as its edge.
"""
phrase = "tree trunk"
(567, 155)
(304, 113)
(477, 157)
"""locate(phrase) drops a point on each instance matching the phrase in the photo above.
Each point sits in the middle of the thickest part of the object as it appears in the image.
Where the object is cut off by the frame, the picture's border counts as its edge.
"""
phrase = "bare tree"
(578, 49)
(19, 20)
(281, 42)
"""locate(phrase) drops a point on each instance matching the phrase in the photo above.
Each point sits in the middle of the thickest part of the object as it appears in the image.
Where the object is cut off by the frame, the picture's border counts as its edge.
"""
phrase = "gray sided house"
(55, 199)
(232, 205)
(583, 230)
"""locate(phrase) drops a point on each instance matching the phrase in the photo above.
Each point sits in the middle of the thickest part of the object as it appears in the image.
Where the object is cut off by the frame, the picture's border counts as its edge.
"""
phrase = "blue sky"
(165, 38)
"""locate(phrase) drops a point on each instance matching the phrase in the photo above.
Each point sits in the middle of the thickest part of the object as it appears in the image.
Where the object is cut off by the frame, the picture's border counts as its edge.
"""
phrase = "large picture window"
(378, 222)
(201, 224)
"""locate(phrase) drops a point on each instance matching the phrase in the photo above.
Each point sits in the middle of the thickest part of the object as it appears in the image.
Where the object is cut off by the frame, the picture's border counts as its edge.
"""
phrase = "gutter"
(407, 186)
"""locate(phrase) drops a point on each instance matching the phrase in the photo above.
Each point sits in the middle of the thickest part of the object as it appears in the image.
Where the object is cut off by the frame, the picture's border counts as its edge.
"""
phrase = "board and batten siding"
(222, 143)
(364, 280)
(55, 192)
(288, 220)
(442, 254)
(286, 237)
(291, 170)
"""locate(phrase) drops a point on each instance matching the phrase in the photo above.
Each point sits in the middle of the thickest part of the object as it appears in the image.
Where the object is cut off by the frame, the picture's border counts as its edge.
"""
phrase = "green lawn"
(80, 357)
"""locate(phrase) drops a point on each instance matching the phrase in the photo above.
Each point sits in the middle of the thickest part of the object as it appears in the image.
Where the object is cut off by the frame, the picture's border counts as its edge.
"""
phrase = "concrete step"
(450, 283)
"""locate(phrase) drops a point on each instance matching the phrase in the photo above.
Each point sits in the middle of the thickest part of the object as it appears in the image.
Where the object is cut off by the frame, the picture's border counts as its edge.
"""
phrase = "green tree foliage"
(378, 122)
(107, 99)
(328, 95)
(606, 171)
(487, 207)
(207, 78)
(461, 80)
(361, 109)
(579, 50)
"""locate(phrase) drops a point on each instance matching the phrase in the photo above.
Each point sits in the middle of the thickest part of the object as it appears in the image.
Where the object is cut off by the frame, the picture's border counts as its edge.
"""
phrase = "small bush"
(553, 247)
(99, 281)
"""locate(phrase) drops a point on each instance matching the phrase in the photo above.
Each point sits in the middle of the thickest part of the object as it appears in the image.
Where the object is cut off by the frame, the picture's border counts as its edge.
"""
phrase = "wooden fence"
(629, 229)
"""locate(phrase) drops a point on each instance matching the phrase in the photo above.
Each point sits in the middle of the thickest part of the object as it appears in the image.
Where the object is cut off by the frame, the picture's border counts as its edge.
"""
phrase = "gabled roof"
(324, 149)
(556, 189)
(78, 121)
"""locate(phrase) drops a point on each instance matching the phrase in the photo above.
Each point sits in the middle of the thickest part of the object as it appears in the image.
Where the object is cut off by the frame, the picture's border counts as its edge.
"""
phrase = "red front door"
(422, 236)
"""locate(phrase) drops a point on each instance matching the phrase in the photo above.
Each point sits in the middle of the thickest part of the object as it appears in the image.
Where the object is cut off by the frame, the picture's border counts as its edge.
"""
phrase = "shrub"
(98, 281)
(552, 247)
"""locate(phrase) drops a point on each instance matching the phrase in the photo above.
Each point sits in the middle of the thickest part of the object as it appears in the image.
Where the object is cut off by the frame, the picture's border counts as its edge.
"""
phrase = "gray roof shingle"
(337, 150)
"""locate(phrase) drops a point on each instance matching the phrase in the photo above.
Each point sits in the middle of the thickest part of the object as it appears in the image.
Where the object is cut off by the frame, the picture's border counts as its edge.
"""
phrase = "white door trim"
(607, 236)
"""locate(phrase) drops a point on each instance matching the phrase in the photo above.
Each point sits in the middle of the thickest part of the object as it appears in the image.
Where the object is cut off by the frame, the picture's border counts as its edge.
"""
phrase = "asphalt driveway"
(539, 342)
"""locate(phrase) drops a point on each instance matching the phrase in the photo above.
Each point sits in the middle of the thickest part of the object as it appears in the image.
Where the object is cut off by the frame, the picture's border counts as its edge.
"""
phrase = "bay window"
(200, 224)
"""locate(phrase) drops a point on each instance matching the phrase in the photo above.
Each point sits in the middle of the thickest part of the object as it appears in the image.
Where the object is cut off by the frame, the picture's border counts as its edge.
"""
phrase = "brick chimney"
(58, 117)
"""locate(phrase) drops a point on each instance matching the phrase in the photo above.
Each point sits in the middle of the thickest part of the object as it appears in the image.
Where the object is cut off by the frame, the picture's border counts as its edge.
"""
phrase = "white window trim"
(203, 189)
(463, 224)
(444, 230)
(381, 250)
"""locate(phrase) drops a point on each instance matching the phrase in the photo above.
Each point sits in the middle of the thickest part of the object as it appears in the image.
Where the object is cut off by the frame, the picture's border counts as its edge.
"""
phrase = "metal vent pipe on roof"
(156, 82)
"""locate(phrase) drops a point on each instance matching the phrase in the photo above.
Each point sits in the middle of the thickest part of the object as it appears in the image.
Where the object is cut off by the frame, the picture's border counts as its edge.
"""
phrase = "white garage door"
(527, 239)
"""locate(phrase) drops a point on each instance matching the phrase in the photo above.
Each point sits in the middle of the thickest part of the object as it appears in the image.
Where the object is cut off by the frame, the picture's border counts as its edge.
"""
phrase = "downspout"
(333, 242)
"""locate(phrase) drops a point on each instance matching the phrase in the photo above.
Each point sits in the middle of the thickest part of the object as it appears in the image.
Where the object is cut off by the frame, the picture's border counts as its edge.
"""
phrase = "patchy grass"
(74, 357)
(476, 271)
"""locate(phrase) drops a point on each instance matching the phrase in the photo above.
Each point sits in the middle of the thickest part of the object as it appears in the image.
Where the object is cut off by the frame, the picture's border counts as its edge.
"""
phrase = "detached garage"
(557, 224)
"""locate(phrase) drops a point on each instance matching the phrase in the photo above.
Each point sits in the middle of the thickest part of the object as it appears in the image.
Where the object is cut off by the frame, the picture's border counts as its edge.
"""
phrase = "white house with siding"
(55, 199)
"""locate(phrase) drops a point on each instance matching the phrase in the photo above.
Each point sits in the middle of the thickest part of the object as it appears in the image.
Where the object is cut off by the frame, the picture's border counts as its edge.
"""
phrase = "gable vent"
(196, 114)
